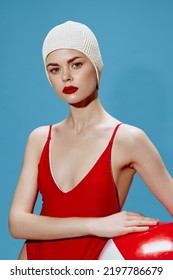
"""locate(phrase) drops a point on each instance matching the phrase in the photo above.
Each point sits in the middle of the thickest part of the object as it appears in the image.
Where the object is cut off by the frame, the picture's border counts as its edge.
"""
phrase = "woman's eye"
(77, 65)
(54, 70)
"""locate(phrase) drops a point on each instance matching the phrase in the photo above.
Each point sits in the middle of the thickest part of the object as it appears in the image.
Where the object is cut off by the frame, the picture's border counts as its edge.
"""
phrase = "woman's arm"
(145, 159)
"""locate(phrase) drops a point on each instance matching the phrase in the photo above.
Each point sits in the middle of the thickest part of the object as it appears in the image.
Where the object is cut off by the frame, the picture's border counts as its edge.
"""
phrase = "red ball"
(154, 244)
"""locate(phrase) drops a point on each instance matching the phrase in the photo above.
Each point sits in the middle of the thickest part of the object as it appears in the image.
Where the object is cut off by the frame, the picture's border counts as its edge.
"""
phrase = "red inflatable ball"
(154, 244)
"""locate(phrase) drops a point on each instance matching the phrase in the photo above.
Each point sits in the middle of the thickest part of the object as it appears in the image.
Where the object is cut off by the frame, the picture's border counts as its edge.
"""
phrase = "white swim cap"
(74, 35)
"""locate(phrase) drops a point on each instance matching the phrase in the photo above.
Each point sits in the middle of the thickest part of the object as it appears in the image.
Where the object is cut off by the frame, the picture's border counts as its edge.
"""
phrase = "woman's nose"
(66, 75)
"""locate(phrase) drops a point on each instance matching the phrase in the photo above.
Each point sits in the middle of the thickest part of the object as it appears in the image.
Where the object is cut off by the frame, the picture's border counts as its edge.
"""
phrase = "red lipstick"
(69, 90)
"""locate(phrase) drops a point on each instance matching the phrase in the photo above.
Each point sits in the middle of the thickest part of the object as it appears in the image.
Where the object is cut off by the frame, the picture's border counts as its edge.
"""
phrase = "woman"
(84, 165)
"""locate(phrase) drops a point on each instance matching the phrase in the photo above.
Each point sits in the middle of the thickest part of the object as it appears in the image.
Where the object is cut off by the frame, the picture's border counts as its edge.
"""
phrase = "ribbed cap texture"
(74, 35)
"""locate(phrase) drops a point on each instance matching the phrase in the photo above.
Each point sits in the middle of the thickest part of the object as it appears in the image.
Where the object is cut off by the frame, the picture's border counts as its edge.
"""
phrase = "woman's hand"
(120, 224)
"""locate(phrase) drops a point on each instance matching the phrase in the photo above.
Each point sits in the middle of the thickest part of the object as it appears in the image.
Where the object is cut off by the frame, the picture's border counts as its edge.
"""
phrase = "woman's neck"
(85, 115)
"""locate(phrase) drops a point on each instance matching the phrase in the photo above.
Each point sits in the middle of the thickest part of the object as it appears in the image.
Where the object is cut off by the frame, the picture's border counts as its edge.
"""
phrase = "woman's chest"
(74, 160)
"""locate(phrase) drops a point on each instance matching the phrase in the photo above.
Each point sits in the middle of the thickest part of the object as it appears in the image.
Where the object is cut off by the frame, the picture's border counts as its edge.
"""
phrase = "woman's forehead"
(65, 54)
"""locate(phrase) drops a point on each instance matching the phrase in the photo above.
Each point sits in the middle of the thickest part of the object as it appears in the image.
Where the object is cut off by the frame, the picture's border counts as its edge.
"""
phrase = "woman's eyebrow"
(68, 61)
(52, 64)
(73, 58)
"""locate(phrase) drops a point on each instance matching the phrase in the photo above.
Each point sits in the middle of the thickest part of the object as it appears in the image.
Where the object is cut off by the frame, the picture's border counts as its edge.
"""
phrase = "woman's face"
(71, 74)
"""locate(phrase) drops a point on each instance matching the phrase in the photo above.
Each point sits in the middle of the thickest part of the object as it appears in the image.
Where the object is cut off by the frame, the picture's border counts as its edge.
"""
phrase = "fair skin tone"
(78, 137)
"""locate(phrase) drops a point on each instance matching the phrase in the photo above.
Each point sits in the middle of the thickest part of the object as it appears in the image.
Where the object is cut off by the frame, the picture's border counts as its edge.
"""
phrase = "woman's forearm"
(36, 227)
(31, 226)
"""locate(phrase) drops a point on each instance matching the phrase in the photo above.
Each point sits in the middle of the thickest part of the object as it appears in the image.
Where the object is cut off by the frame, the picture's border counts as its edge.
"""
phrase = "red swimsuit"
(95, 196)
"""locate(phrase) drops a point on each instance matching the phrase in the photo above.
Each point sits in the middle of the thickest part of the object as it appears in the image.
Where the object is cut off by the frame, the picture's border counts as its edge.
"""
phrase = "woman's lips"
(69, 90)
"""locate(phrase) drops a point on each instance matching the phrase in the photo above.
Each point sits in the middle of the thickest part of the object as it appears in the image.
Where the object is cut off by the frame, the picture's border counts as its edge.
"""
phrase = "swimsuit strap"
(49, 135)
(114, 133)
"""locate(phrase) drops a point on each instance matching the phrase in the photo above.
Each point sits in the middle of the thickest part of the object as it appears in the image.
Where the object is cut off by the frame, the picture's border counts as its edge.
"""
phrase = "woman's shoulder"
(125, 131)
(131, 130)
(39, 133)
(38, 137)
(130, 134)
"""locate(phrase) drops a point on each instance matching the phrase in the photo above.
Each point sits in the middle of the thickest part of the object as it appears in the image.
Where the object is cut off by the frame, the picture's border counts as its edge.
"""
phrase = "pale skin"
(85, 133)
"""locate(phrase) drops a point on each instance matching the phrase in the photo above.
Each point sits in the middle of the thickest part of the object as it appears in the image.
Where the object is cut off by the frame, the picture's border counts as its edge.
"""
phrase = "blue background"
(136, 42)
